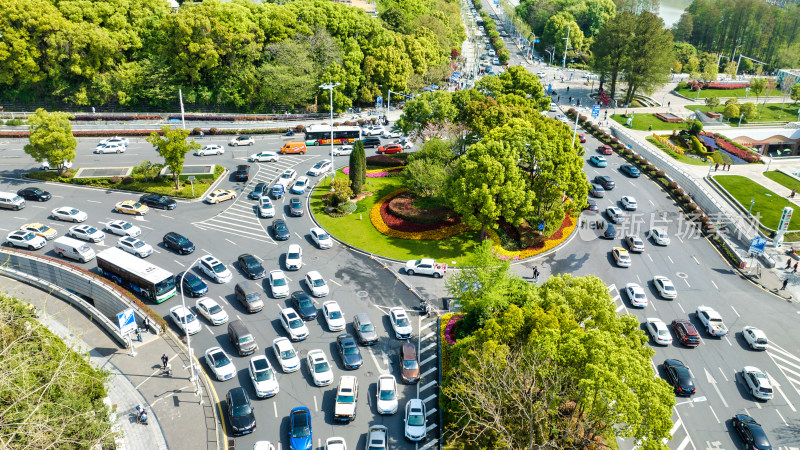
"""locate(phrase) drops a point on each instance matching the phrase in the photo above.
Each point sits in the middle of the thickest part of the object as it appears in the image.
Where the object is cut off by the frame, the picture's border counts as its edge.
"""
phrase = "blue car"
(630, 170)
(193, 285)
(300, 429)
(598, 161)
(277, 191)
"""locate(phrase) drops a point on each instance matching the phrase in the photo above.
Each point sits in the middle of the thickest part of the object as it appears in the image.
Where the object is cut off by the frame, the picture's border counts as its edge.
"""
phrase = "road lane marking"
(695, 260)
(275, 408)
(734, 310)
(427, 360)
(681, 307)
(715, 414)
(334, 282)
(713, 383)
(93, 201)
(428, 335)
(433, 410)
(231, 242)
(774, 383)
(715, 285)
(651, 258)
(687, 282)
(298, 236)
(316, 407)
(685, 442)
(374, 359)
(428, 372)
(168, 217)
(723, 374)
(781, 415)
(670, 260)
(429, 347)
(179, 263)
(429, 398)
(431, 384)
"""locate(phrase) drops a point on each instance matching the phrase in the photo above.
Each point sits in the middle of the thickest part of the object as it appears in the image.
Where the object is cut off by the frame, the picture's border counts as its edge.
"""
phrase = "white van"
(10, 200)
(67, 247)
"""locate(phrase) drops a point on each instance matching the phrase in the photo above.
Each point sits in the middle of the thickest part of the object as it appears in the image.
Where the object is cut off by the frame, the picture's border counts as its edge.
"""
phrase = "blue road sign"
(536, 41)
(595, 110)
(549, 88)
(758, 245)
(127, 321)
(379, 102)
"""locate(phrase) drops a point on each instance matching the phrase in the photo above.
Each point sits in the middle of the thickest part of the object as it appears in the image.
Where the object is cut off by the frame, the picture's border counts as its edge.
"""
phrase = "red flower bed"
(399, 224)
(450, 329)
(727, 85)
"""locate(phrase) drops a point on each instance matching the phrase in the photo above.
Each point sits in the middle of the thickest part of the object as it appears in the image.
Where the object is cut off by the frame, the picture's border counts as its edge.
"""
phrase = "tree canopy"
(171, 144)
(51, 138)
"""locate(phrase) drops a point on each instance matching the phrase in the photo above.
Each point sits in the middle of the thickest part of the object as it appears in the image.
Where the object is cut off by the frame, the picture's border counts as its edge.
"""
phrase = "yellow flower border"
(528, 252)
(380, 225)
(385, 169)
(668, 144)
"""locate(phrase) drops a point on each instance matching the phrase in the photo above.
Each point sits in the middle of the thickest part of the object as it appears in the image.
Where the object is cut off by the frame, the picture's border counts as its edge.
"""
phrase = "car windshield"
(287, 354)
(300, 183)
(663, 332)
(36, 191)
(279, 282)
(220, 359)
(387, 394)
(335, 315)
(263, 375)
(125, 225)
(219, 268)
(761, 341)
(410, 364)
(246, 339)
(301, 430)
(165, 286)
(28, 236)
(254, 297)
(280, 226)
(323, 236)
(367, 328)
(138, 244)
(286, 175)
(319, 282)
(350, 350)
(241, 410)
(193, 281)
(136, 205)
(296, 323)
(345, 398)
(321, 367)
(187, 318)
(668, 287)
(265, 202)
(416, 420)
(294, 255)
(401, 322)
(306, 303)
(252, 263)
(215, 309)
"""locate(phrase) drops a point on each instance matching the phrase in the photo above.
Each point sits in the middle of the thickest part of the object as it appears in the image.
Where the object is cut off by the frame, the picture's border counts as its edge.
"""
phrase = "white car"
(286, 355)
(299, 186)
(278, 284)
(335, 443)
(405, 143)
(287, 177)
(294, 257)
(375, 130)
(110, 148)
(416, 420)
(615, 215)
(659, 236)
(242, 140)
(211, 310)
(47, 166)
(320, 369)
(400, 323)
(263, 157)
(25, 239)
(636, 295)
(377, 438)
(757, 383)
(263, 445)
(344, 150)
(334, 317)
(68, 214)
(386, 394)
(319, 168)
(665, 287)
(756, 339)
(114, 140)
(135, 246)
(220, 364)
(215, 270)
(391, 134)
(86, 233)
(659, 331)
(263, 377)
(184, 319)
(629, 203)
(293, 324)
(212, 149)
(265, 207)
(321, 238)
(122, 228)
(317, 284)
(541, 74)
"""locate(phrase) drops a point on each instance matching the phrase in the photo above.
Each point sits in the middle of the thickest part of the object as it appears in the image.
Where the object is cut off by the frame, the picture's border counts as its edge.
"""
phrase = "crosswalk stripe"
(675, 426)
(776, 349)
(786, 362)
(230, 231)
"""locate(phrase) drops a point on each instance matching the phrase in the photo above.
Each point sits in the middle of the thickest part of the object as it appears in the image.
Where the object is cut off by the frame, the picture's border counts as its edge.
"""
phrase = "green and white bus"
(136, 274)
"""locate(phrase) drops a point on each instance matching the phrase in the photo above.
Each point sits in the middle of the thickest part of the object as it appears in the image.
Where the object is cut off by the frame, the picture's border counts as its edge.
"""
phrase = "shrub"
(660, 174)
(691, 207)
(582, 118)
(678, 192)
(14, 122)
(651, 167)
(685, 198)
(196, 131)
(682, 85)
(299, 128)
(337, 124)
(115, 180)
(127, 180)
(385, 161)
(213, 131)
(614, 140)
(361, 122)
(627, 152)
(672, 185)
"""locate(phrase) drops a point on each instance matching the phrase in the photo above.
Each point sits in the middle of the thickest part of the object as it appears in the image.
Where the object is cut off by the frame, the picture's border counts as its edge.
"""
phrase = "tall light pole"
(575, 130)
(330, 86)
(193, 376)
(740, 119)
(551, 55)
(566, 46)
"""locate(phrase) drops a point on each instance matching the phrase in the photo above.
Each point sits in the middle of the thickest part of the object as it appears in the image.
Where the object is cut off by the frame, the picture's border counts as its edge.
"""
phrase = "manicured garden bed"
(643, 121)
(768, 205)
(771, 113)
(783, 179)
(682, 158)
(739, 93)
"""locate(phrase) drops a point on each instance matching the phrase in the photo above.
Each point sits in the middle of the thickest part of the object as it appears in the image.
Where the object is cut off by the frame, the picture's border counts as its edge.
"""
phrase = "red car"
(686, 332)
(391, 148)
(582, 138)
(604, 149)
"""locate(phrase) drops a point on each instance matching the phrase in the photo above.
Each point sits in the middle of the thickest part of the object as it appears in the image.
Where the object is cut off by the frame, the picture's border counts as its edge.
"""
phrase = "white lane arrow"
(774, 383)
(713, 382)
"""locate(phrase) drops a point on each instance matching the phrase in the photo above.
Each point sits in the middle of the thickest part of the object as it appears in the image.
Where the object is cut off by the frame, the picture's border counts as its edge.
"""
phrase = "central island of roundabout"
(387, 220)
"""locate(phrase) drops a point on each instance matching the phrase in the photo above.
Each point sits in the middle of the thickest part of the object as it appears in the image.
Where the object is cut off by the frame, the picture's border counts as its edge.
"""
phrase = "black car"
(605, 181)
(240, 412)
(33, 193)
(371, 142)
(251, 267)
(280, 229)
(295, 207)
(610, 232)
(158, 201)
(592, 205)
(177, 243)
(679, 377)
(192, 284)
(260, 190)
(242, 173)
(630, 170)
(751, 432)
(303, 304)
(348, 350)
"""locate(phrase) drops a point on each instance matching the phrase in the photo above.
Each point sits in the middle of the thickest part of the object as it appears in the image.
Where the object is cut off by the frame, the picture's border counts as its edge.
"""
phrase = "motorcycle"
(141, 415)
(289, 133)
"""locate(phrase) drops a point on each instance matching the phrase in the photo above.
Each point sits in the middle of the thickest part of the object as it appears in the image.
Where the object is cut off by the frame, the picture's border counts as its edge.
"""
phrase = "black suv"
(304, 305)
(251, 267)
(280, 229)
(178, 243)
(240, 412)
(158, 201)
(242, 173)
(605, 181)
(371, 142)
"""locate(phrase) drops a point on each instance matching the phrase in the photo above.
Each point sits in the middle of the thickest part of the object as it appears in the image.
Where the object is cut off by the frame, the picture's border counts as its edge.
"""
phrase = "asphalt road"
(229, 229)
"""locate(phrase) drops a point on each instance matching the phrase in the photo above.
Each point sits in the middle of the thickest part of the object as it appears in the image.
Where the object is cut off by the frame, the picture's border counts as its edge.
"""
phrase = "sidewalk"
(176, 419)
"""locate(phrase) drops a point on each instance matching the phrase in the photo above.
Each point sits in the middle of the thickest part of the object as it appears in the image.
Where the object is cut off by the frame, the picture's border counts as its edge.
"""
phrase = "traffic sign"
(379, 102)
(758, 245)
(595, 110)
(127, 321)
(536, 41)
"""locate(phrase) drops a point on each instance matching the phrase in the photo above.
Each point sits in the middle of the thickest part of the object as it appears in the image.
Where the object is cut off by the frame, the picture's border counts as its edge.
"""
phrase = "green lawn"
(356, 229)
(768, 205)
(642, 121)
(682, 158)
(727, 93)
(771, 112)
(783, 179)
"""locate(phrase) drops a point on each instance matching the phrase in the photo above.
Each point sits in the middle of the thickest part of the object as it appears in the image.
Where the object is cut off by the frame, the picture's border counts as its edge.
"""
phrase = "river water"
(671, 10)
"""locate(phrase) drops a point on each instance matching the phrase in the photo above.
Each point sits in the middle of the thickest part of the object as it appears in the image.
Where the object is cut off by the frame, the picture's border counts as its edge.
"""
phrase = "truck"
(346, 398)
(426, 267)
(711, 321)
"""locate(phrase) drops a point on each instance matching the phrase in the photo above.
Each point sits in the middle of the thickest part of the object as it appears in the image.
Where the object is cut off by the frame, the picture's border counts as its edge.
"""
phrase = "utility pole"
(566, 46)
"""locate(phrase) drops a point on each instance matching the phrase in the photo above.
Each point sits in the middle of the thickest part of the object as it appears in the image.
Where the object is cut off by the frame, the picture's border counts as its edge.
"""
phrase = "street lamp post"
(710, 165)
(575, 130)
(330, 86)
(566, 46)
(551, 61)
(750, 211)
(193, 375)
(770, 162)
(740, 119)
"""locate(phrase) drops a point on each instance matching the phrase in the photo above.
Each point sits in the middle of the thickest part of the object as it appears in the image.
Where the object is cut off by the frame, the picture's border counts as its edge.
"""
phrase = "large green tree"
(611, 47)
(51, 138)
(650, 56)
(358, 167)
(172, 145)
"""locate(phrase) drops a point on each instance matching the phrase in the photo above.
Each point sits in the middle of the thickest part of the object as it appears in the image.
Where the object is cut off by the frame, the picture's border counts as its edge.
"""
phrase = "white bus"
(138, 275)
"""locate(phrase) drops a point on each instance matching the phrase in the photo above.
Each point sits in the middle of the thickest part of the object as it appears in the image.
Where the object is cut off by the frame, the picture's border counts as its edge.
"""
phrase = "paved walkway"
(177, 419)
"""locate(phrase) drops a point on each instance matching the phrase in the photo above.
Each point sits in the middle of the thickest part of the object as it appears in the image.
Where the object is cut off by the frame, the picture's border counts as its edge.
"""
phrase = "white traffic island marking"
(713, 382)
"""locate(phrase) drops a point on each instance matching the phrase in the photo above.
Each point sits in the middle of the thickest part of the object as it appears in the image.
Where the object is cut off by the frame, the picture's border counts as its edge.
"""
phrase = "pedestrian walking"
(164, 360)
(567, 88)
(795, 267)
(536, 275)
(794, 191)
(785, 282)
(788, 263)
(716, 167)
(146, 324)
(535, 271)
(668, 103)
(650, 128)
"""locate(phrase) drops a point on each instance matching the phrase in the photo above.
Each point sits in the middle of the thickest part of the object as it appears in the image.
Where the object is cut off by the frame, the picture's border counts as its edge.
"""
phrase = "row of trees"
(550, 366)
(492, 156)
(248, 55)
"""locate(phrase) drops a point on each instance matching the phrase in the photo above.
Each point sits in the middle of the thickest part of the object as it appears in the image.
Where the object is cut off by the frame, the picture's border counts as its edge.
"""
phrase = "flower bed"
(377, 173)
(449, 333)
(566, 228)
(716, 85)
(668, 144)
(403, 207)
(386, 160)
(417, 231)
(732, 148)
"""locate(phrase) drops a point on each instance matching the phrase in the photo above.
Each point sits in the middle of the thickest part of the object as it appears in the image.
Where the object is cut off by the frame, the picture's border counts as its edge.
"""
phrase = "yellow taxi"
(40, 230)
(220, 195)
(621, 256)
(131, 207)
